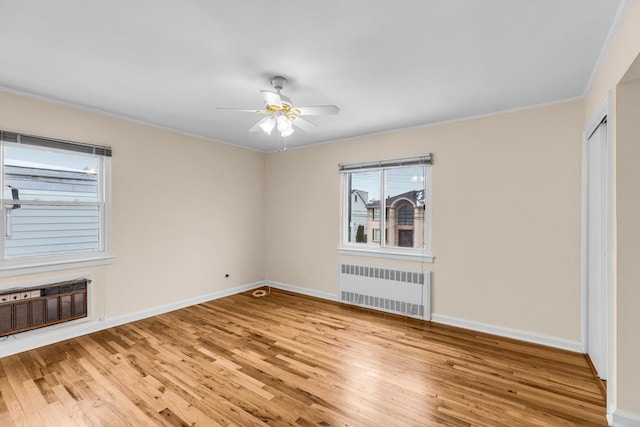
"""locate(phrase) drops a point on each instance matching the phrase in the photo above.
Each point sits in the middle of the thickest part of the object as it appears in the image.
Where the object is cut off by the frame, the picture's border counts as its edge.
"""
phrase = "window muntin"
(62, 203)
(396, 204)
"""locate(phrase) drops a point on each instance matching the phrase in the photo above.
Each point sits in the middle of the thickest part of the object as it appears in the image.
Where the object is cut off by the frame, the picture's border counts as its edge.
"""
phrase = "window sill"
(387, 254)
(46, 265)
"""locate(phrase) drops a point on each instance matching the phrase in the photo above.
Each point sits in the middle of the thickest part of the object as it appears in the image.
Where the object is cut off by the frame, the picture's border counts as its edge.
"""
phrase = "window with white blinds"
(54, 201)
(386, 206)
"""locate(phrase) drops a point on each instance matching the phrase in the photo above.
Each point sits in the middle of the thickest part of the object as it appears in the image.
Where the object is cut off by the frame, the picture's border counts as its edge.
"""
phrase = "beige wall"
(185, 211)
(628, 215)
(506, 216)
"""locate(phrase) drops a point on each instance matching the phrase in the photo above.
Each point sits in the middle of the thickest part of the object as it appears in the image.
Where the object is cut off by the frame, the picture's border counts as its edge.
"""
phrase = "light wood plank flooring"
(288, 359)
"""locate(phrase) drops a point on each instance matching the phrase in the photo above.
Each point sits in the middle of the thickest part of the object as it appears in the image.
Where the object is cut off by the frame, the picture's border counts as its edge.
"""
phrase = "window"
(405, 215)
(54, 199)
(397, 209)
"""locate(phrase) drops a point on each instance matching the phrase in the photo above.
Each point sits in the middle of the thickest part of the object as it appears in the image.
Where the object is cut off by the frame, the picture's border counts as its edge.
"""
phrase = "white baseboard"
(574, 346)
(40, 337)
(625, 419)
(303, 291)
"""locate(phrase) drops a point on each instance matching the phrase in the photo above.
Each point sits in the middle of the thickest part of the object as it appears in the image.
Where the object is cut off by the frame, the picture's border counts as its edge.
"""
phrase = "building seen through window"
(389, 205)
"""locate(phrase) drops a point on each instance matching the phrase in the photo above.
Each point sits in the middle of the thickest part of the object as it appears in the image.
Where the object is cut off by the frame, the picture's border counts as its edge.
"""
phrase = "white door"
(597, 248)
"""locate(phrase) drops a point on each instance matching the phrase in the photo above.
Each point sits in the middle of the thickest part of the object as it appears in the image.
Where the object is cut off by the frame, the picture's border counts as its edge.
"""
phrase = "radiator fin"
(416, 310)
(383, 273)
(387, 289)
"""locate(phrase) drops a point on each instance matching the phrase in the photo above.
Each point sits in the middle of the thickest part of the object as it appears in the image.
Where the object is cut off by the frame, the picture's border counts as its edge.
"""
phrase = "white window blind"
(425, 159)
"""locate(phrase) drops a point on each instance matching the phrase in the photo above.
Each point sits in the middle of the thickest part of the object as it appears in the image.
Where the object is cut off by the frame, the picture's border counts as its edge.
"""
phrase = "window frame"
(62, 261)
(381, 250)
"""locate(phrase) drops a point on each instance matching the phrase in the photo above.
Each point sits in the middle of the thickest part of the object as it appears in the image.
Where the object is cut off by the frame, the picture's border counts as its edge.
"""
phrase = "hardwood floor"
(288, 359)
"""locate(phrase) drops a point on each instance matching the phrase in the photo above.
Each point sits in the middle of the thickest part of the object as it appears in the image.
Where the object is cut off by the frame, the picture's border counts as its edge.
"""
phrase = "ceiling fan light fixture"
(284, 124)
(268, 124)
(281, 113)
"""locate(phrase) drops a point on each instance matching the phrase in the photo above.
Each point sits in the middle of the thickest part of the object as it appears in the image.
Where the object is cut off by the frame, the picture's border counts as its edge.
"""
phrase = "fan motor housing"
(278, 82)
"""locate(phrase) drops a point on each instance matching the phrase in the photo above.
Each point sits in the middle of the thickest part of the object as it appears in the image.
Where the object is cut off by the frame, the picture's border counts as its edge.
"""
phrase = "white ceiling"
(387, 64)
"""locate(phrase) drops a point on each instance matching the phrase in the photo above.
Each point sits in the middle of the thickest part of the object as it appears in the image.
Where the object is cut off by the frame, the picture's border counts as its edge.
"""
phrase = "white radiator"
(395, 291)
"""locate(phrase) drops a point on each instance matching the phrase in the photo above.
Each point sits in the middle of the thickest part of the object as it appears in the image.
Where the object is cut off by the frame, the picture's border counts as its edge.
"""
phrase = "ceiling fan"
(281, 113)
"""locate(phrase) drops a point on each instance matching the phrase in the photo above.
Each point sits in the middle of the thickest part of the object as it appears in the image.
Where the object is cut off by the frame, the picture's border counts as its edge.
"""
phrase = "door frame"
(605, 111)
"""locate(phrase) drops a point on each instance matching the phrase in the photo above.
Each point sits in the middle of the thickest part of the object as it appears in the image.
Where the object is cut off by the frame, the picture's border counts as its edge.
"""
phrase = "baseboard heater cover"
(24, 309)
(396, 291)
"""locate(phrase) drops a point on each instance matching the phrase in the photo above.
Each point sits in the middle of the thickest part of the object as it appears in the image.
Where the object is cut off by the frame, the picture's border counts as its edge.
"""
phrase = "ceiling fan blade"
(305, 125)
(256, 127)
(318, 110)
(271, 98)
(238, 109)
